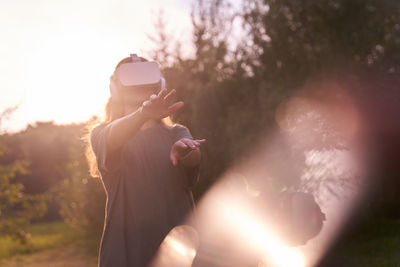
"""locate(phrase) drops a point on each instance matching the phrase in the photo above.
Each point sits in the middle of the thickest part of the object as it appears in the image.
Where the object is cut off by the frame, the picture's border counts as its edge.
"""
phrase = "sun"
(67, 75)
(58, 57)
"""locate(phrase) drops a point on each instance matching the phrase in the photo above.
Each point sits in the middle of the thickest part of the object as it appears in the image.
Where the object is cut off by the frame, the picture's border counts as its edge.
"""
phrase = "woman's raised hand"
(160, 106)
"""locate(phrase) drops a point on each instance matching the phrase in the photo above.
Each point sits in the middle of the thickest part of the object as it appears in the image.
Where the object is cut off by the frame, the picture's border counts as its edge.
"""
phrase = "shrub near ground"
(53, 244)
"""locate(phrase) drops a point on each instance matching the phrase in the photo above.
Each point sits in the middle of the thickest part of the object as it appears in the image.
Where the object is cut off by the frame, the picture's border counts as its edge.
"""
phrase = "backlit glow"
(262, 238)
(57, 57)
(178, 248)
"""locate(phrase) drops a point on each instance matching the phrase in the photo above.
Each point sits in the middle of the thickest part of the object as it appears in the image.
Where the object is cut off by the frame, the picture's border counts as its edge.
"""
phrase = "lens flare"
(178, 248)
(262, 238)
(289, 200)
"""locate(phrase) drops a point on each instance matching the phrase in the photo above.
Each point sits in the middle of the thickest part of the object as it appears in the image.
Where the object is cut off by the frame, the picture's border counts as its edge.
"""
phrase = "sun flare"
(64, 80)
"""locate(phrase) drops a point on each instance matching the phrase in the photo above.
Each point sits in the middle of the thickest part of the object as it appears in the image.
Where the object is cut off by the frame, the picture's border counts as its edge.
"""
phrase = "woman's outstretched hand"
(186, 150)
(160, 106)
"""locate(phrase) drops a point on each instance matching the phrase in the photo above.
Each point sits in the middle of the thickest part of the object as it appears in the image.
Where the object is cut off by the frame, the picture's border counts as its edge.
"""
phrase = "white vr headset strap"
(135, 58)
(162, 83)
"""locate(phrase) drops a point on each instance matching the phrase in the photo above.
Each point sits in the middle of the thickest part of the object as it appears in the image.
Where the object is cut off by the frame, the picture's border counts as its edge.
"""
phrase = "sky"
(56, 57)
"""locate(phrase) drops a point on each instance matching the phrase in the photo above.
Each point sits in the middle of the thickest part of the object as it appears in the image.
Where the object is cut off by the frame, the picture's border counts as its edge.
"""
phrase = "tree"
(81, 197)
(16, 207)
(232, 93)
(45, 146)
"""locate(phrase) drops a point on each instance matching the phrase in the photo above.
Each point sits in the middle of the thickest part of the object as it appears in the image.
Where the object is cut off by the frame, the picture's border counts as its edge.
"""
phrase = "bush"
(81, 198)
(16, 207)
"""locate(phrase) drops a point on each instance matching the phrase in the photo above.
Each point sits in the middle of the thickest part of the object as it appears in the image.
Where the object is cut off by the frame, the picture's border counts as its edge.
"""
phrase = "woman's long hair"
(114, 109)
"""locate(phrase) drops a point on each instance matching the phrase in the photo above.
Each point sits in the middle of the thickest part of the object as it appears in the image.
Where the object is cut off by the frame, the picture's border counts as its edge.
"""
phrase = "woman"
(147, 168)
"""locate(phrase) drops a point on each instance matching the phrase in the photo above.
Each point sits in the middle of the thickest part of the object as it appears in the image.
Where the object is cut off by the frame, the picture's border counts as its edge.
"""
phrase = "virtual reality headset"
(137, 75)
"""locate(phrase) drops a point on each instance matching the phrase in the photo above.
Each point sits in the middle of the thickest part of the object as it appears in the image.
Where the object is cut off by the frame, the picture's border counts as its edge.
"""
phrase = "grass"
(51, 244)
(375, 242)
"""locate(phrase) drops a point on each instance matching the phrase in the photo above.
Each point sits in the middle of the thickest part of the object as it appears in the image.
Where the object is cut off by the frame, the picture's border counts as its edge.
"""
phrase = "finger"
(186, 140)
(190, 143)
(173, 159)
(198, 142)
(153, 98)
(146, 103)
(175, 107)
(181, 144)
(162, 93)
(169, 96)
(194, 144)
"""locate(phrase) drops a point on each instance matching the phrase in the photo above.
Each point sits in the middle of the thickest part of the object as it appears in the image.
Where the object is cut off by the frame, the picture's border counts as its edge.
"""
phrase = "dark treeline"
(47, 164)
(232, 91)
(232, 88)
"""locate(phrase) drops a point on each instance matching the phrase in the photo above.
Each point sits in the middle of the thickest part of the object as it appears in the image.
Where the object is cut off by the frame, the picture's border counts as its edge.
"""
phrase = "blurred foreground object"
(178, 248)
(325, 150)
(301, 218)
(298, 219)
